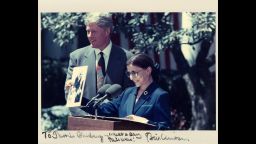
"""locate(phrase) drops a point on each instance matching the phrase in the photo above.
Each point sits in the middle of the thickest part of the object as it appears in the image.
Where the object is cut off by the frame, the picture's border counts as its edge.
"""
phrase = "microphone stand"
(96, 113)
(95, 110)
(95, 106)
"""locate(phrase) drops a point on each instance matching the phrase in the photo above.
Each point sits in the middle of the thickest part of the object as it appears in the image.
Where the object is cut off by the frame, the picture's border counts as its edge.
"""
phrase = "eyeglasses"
(133, 73)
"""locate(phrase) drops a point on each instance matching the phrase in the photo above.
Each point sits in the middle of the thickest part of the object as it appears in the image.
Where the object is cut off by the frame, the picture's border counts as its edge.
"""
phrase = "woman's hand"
(137, 118)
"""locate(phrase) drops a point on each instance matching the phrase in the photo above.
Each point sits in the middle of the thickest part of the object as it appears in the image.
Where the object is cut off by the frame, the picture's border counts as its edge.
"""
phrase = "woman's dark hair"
(144, 61)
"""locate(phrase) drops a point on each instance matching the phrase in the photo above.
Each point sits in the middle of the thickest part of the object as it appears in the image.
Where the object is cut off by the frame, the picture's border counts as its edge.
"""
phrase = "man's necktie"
(100, 69)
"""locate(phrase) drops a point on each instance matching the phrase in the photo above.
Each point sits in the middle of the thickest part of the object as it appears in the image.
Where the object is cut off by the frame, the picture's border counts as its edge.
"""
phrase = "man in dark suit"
(98, 27)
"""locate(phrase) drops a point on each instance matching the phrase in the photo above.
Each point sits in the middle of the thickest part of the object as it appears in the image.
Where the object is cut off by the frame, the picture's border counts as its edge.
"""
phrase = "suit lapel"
(140, 102)
(130, 102)
(144, 97)
(89, 60)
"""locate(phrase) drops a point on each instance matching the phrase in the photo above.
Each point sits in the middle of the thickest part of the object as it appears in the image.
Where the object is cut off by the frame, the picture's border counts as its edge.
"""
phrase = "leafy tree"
(145, 35)
(63, 25)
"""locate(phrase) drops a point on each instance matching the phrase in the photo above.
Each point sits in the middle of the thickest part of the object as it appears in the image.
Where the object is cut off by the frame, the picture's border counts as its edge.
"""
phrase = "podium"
(105, 123)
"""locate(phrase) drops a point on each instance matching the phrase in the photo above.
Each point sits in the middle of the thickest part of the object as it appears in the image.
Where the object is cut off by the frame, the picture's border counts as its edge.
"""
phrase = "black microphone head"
(113, 89)
(103, 89)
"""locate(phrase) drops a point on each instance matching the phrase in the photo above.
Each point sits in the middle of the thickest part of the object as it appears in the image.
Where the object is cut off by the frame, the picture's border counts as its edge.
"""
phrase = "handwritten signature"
(78, 134)
(113, 136)
(157, 137)
(123, 136)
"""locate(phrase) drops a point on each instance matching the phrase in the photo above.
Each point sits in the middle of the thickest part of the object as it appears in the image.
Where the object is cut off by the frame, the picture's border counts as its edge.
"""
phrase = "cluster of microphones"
(106, 91)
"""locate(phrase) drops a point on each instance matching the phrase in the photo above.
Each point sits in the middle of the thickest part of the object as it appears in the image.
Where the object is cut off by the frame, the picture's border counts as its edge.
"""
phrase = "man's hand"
(137, 118)
(68, 84)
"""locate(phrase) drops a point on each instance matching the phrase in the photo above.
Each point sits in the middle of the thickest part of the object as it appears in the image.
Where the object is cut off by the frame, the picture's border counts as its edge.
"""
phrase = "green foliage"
(63, 25)
(144, 33)
(54, 118)
(204, 25)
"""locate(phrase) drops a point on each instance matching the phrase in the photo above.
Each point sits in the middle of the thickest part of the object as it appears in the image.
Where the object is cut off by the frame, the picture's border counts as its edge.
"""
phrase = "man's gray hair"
(103, 20)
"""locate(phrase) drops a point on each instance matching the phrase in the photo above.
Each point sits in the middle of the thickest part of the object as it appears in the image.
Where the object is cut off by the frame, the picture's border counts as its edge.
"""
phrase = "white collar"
(106, 50)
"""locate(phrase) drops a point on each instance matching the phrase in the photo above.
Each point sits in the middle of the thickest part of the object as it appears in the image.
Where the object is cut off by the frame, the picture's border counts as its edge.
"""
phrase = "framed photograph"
(74, 97)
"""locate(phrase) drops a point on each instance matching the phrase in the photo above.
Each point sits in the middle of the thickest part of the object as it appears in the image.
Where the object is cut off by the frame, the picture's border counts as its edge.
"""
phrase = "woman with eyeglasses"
(146, 102)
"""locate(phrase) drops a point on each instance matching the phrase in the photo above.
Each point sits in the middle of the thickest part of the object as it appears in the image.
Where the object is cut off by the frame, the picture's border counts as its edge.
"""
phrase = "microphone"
(100, 93)
(109, 92)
